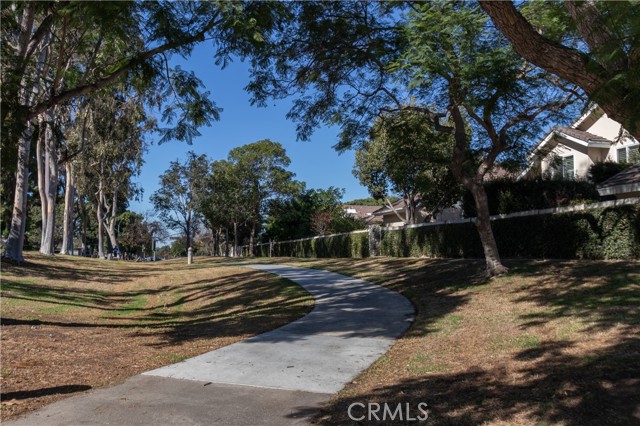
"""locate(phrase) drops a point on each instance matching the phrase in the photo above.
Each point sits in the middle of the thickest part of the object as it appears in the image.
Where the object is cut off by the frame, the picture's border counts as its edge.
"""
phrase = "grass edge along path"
(71, 324)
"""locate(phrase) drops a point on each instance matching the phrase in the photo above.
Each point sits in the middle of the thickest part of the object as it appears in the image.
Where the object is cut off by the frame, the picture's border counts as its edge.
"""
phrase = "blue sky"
(314, 162)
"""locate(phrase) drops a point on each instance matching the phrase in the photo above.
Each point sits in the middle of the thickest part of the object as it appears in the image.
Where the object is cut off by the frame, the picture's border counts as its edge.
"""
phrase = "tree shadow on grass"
(104, 271)
(555, 388)
(554, 382)
(227, 306)
(38, 393)
(584, 290)
(114, 300)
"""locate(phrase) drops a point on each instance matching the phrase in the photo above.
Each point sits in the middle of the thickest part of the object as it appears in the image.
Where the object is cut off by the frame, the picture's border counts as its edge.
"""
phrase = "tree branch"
(570, 64)
(104, 81)
(593, 29)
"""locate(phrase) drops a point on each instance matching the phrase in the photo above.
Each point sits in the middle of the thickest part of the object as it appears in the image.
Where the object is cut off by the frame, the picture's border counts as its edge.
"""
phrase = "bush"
(347, 245)
(610, 233)
(599, 172)
(453, 240)
(508, 196)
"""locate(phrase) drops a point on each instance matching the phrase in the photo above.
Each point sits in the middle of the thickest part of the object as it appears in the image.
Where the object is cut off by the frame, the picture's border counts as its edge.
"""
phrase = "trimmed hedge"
(453, 240)
(348, 245)
(509, 196)
(599, 172)
(610, 233)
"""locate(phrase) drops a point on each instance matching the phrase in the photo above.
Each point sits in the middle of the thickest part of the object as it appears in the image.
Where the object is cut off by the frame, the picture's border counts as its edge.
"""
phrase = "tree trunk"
(101, 253)
(252, 238)
(69, 196)
(412, 214)
(42, 186)
(483, 224)
(216, 242)
(235, 239)
(464, 170)
(48, 178)
(226, 242)
(111, 229)
(84, 225)
(188, 232)
(15, 241)
(100, 218)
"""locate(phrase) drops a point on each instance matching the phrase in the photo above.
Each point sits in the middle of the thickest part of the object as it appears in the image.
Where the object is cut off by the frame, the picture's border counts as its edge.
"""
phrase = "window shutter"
(567, 167)
(622, 155)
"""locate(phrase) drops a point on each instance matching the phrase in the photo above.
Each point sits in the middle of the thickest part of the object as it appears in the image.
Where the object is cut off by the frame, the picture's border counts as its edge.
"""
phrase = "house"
(396, 216)
(362, 212)
(569, 152)
(625, 184)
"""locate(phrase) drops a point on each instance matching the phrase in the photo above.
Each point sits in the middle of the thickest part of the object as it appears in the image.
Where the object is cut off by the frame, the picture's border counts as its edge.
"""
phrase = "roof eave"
(619, 189)
(584, 116)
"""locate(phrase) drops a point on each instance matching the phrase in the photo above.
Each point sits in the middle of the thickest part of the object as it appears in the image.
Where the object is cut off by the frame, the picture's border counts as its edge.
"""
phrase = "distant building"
(397, 215)
(362, 212)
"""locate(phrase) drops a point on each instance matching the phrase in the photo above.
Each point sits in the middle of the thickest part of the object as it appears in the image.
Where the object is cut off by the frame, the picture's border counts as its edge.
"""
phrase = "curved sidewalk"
(278, 377)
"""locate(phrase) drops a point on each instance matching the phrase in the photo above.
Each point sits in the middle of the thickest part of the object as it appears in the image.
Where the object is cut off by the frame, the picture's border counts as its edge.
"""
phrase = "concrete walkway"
(279, 377)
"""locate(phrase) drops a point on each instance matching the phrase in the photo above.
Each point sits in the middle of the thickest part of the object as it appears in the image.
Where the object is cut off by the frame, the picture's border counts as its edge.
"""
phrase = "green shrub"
(599, 172)
(348, 245)
(610, 233)
(454, 240)
(508, 196)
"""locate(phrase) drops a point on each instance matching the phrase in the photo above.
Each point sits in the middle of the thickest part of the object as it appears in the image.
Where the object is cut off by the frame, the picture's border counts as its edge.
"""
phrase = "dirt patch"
(71, 324)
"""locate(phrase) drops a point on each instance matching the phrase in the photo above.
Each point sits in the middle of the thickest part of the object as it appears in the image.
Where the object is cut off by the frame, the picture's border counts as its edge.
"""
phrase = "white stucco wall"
(610, 129)
(604, 127)
(581, 159)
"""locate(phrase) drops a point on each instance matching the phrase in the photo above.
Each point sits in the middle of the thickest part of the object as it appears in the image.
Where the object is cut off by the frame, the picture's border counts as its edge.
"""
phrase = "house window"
(629, 154)
(567, 167)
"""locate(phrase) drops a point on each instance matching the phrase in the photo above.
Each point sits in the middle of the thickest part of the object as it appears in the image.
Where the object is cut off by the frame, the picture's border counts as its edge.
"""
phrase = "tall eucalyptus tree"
(86, 46)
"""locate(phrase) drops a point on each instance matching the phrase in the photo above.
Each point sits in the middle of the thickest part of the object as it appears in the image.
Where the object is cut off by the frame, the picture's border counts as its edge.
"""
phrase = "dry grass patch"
(71, 324)
(552, 343)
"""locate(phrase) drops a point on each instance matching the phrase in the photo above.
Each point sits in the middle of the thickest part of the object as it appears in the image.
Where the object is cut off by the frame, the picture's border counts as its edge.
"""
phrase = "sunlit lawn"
(70, 324)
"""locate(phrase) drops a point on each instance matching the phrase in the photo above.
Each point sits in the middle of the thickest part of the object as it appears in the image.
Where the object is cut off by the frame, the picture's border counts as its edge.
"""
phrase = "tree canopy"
(405, 156)
(176, 201)
(308, 213)
(592, 44)
(56, 54)
(353, 62)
